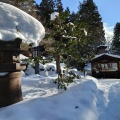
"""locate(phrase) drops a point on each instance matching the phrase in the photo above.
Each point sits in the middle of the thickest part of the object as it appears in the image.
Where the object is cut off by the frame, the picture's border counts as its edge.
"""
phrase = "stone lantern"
(37, 52)
(10, 72)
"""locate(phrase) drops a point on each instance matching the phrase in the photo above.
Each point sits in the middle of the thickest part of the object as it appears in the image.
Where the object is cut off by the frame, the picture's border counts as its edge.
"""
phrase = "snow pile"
(54, 15)
(16, 23)
(22, 57)
(45, 70)
(108, 99)
(85, 99)
(87, 68)
(113, 104)
(49, 69)
(30, 70)
(41, 102)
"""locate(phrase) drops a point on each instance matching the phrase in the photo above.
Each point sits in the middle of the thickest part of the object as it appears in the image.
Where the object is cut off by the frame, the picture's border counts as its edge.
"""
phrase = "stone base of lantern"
(10, 88)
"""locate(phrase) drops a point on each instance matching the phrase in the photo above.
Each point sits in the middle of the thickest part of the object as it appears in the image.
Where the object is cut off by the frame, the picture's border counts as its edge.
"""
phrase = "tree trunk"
(58, 69)
(58, 64)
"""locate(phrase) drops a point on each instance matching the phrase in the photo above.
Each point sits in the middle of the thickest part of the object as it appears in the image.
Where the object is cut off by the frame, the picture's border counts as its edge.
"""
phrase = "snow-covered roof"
(111, 55)
(102, 45)
(16, 23)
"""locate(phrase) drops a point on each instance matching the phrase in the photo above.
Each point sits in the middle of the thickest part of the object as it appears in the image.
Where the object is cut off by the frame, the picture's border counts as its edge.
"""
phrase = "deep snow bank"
(79, 102)
(112, 108)
(16, 23)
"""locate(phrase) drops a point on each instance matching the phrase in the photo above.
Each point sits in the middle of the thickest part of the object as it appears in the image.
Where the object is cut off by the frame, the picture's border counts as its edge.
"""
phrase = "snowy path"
(108, 93)
(85, 99)
(109, 104)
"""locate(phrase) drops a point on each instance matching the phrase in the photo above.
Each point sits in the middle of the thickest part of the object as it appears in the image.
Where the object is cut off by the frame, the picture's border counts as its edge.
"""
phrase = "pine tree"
(89, 15)
(116, 39)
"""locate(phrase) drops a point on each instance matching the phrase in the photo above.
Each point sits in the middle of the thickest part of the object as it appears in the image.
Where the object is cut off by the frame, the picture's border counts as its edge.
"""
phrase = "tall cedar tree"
(57, 32)
(79, 52)
(74, 18)
(58, 6)
(45, 8)
(116, 39)
(89, 15)
(67, 10)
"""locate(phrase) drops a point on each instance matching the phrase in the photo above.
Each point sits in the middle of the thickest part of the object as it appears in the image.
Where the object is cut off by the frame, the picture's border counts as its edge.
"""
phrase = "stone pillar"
(10, 83)
(10, 88)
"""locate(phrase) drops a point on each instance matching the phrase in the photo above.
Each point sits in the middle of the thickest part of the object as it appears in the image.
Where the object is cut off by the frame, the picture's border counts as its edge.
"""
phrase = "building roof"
(102, 46)
(105, 57)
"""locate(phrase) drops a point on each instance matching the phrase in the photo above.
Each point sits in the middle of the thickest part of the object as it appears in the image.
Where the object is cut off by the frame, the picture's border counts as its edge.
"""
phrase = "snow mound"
(54, 15)
(30, 70)
(22, 57)
(77, 103)
(16, 23)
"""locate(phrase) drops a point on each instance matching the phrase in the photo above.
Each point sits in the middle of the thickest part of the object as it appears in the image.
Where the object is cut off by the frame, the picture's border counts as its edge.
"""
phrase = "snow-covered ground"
(85, 99)
(111, 92)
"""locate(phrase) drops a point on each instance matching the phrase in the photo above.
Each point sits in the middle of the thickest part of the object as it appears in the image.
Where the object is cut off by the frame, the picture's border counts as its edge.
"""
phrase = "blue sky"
(108, 9)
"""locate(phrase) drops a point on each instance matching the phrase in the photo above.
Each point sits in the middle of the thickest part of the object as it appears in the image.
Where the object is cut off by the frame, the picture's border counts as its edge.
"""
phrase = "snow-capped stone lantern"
(16, 26)
(37, 52)
(10, 72)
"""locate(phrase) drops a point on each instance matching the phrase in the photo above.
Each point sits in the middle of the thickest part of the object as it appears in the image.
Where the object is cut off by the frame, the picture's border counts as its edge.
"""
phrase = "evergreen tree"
(63, 34)
(45, 8)
(74, 17)
(79, 52)
(116, 39)
(58, 6)
(67, 11)
(89, 15)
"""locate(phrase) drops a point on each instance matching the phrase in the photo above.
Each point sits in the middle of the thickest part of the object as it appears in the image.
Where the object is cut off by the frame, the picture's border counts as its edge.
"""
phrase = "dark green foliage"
(74, 17)
(67, 11)
(58, 6)
(89, 14)
(78, 49)
(45, 8)
(61, 32)
(66, 78)
(116, 39)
